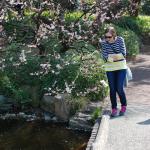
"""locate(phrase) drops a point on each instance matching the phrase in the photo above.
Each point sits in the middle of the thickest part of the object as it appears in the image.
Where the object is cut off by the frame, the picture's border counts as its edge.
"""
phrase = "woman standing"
(114, 53)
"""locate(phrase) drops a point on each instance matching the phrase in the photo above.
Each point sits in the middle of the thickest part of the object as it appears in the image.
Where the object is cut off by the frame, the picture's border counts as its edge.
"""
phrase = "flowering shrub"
(79, 71)
(77, 75)
(9, 89)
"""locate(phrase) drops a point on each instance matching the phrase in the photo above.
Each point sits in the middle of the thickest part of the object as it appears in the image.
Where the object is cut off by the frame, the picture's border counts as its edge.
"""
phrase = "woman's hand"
(115, 57)
(110, 59)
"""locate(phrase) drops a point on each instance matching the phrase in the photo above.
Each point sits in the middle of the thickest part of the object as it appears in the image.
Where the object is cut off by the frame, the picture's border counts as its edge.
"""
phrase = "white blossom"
(57, 73)
(58, 66)
(103, 82)
(58, 96)
(22, 56)
(68, 90)
(53, 71)
(52, 26)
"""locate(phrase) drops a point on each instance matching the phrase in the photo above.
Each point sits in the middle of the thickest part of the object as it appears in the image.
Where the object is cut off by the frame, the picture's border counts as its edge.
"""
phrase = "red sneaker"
(122, 111)
(114, 112)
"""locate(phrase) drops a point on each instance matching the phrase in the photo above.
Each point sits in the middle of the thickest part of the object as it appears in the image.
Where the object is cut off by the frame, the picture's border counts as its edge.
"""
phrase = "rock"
(33, 93)
(92, 106)
(21, 114)
(48, 116)
(8, 116)
(81, 121)
(62, 110)
(55, 119)
(2, 99)
(5, 104)
(57, 105)
(48, 103)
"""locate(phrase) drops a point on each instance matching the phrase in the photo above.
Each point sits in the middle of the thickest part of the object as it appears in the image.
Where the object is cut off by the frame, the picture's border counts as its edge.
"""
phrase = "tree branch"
(2, 4)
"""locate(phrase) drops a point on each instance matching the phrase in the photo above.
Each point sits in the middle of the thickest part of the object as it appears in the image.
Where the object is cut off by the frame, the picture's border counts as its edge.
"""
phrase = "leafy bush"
(96, 113)
(146, 7)
(144, 24)
(8, 88)
(16, 67)
(77, 103)
(78, 72)
(131, 41)
(72, 16)
(20, 31)
(140, 25)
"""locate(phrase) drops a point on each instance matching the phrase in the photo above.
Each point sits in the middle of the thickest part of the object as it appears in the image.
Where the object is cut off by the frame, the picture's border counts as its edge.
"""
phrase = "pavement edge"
(100, 130)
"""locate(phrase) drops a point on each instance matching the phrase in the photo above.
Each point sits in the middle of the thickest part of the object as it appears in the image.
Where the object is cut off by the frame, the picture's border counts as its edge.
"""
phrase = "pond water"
(20, 135)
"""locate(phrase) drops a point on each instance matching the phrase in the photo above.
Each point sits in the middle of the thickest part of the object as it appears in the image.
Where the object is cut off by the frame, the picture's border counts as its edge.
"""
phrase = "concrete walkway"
(132, 131)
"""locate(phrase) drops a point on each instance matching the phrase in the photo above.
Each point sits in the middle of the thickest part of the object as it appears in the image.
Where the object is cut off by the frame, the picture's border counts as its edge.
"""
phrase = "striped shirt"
(114, 48)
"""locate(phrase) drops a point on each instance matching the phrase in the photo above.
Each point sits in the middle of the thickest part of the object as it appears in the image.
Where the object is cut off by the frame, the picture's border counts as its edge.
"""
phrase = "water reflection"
(20, 135)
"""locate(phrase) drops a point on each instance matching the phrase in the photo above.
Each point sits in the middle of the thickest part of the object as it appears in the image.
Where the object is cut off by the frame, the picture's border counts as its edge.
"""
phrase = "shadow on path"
(141, 75)
(146, 122)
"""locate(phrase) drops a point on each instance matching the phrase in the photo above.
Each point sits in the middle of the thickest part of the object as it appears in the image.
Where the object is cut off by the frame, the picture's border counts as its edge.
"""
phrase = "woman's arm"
(104, 51)
(122, 46)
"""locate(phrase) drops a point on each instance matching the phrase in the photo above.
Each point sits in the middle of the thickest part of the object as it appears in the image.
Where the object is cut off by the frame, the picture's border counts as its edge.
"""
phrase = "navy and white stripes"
(113, 48)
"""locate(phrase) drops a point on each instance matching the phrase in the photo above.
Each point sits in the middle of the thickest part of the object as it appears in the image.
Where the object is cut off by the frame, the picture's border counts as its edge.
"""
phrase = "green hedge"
(9, 89)
(146, 7)
(21, 31)
(140, 25)
(79, 69)
(131, 40)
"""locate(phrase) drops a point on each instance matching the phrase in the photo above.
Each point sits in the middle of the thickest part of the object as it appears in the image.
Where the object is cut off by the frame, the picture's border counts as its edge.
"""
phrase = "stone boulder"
(57, 105)
(33, 92)
(5, 104)
(83, 120)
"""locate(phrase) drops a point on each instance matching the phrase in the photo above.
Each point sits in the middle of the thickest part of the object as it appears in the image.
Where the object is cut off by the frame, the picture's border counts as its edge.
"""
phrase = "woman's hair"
(111, 30)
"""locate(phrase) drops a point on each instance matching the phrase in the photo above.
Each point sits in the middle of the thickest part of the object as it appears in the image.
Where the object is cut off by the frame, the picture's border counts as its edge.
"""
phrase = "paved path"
(132, 131)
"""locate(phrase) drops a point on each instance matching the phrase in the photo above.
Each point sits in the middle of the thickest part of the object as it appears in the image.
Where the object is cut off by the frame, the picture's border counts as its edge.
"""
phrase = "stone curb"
(99, 133)
(93, 134)
(101, 138)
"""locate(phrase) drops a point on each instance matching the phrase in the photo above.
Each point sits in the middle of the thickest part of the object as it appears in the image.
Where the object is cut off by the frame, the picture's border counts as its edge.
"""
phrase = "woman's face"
(109, 37)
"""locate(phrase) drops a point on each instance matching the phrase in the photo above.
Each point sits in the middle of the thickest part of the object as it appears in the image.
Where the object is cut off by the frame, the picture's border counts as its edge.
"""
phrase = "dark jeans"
(116, 81)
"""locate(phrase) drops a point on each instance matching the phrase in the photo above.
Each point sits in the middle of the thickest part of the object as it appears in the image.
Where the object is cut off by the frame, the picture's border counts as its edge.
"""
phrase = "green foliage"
(144, 24)
(17, 69)
(131, 41)
(48, 14)
(20, 30)
(72, 16)
(90, 2)
(146, 7)
(78, 72)
(128, 22)
(8, 88)
(77, 103)
(51, 44)
(96, 113)
(140, 25)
